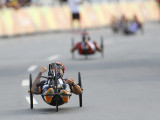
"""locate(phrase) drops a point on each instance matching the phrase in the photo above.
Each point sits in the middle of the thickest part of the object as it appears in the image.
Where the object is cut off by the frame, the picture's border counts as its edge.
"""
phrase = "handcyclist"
(42, 87)
(86, 46)
(132, 26)
(139, 23)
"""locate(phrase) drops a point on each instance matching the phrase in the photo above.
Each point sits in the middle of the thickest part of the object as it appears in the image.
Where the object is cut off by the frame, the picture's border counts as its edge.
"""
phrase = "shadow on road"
(40, 111)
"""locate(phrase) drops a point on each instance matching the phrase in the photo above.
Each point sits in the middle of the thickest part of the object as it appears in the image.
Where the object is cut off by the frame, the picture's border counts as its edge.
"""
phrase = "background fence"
(33, 19)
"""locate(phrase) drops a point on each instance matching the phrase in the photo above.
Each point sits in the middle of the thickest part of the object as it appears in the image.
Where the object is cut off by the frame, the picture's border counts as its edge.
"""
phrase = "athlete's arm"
(75, 88)
(35, 89)
(97, 47)
(75, 47)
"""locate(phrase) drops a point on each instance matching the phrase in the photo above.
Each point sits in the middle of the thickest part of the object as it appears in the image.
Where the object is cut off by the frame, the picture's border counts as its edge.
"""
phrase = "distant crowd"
(14, 3)
(22, 3)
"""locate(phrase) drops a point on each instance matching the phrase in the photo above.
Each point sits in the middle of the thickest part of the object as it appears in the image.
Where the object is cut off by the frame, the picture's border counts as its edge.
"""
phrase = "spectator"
(14, 3)
(62, 1)
(74, 7)
(3, 3)
(24, 2)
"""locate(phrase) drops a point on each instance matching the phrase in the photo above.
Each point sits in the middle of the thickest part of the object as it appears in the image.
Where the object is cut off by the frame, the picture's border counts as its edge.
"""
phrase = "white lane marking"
(32, 68)
(34, 100)
(54, 57)
(25, 82)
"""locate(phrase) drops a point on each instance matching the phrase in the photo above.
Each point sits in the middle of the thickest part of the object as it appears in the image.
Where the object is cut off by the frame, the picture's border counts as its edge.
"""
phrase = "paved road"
(124, 85)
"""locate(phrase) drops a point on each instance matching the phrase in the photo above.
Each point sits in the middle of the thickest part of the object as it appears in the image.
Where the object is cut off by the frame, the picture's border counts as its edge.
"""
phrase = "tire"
(80, 84)
(31, 95)
(56, 103)
(73, 56)
(102, 47)
(56, 90)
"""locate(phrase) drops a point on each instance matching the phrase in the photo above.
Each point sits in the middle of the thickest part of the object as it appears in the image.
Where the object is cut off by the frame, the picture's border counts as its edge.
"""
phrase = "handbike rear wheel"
(102, 47)
(73, 55)
(30, 88)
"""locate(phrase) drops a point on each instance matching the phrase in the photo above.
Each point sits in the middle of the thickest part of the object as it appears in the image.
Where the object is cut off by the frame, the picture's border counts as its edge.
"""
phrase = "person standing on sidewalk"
(75, 12)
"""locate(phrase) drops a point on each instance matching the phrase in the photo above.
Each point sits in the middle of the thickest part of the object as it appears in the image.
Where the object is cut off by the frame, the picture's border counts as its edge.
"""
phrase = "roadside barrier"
(35, 19)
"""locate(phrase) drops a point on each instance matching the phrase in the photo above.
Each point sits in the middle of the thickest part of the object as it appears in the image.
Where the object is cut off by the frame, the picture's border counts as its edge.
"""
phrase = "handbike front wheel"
(55, 85)
(30, 88)
(56, 103)
(80, 84)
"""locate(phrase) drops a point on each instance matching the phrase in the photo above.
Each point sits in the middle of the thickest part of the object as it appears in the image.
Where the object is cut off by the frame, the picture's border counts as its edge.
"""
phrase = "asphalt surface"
(124, 85)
